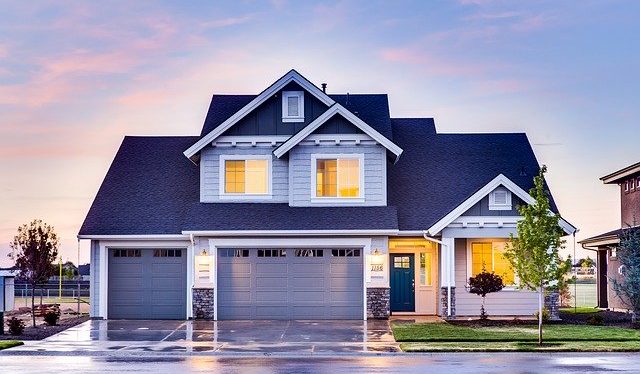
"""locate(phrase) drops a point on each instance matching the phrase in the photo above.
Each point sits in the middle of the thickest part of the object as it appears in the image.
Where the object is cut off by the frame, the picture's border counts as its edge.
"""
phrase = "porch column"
(447, 278)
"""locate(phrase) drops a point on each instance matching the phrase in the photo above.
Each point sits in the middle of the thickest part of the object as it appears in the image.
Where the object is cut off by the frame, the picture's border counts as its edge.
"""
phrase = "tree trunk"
(33, 304)
(540, 302)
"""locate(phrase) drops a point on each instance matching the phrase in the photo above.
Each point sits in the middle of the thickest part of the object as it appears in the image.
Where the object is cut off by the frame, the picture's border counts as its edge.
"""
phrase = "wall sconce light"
(204, 252)
(376, 252)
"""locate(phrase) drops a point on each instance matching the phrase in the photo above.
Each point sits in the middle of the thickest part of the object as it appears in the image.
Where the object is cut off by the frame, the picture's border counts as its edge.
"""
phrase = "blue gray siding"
(481, 208)
(375, 168)
(210, 170)
(94, 279)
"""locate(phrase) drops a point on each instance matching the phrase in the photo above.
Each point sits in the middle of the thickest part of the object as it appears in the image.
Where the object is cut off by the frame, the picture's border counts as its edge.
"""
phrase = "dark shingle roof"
(152, 188)
(371, 108)
(437, 172)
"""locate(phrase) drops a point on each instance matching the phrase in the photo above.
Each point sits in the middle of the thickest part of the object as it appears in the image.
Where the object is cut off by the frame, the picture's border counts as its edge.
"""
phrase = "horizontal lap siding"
(506, 303)
(374, 172)
(210, 174)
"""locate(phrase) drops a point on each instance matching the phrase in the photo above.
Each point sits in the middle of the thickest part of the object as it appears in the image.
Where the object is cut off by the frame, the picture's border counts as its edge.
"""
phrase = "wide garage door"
(147, 283)
(290, 283)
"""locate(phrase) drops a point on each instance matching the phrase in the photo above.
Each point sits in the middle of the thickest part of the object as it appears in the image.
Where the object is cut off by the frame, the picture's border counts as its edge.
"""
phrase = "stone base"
(203, 303)
(552, 304)
(444, 300)
(378, 303)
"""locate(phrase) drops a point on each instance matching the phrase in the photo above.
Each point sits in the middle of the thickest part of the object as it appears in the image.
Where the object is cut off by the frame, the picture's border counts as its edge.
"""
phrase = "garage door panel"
(295, 285)
(123, 284)
(235, 268)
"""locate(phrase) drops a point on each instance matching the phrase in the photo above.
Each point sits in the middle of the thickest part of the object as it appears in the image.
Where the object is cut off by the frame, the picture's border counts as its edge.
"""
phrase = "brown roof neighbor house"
(606, 244)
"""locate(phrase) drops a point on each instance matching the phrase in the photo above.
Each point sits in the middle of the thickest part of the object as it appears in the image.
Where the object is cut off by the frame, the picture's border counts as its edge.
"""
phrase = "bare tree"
(35, 248)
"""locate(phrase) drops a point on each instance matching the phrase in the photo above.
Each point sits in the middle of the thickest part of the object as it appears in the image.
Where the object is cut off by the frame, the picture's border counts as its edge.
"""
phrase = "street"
(458, 363)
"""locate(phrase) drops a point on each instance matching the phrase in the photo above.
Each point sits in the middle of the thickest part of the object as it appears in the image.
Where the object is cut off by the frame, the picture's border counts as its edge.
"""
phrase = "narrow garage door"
(147, 284)
(290, 283)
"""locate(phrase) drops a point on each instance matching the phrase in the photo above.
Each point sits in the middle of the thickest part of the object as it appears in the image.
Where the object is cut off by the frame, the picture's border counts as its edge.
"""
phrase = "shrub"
(16, 326)
(483, 284)
(595, 320)
(51, 318)
(545, 315)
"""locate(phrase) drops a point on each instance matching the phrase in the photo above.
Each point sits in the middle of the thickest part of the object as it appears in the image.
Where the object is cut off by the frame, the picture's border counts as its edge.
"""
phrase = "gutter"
(448, 262)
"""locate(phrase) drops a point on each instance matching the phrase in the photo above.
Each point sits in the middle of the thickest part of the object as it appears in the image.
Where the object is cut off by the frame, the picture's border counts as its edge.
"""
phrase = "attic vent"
(292, 106)
(500, 199)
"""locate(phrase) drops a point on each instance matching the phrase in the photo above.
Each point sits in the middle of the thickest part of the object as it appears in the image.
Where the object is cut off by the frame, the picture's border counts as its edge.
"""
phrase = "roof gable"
(337, 109)
(291, 76)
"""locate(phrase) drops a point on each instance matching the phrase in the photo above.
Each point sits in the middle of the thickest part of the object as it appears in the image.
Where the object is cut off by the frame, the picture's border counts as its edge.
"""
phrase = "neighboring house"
(298, 204)
(606, 245)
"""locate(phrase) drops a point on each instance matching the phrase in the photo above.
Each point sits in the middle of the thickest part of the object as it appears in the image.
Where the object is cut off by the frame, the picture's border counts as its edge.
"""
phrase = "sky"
(76, 77)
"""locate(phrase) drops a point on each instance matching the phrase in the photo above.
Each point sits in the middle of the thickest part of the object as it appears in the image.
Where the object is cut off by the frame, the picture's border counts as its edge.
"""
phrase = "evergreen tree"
(628, 288)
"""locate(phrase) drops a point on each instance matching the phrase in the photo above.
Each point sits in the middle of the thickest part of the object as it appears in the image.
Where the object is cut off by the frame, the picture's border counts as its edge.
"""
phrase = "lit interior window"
(490, 257)
(338, 178)
(246, 176)
(425, 269)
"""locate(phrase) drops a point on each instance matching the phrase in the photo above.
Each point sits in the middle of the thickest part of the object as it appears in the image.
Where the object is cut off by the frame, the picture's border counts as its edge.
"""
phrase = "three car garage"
(252, 283)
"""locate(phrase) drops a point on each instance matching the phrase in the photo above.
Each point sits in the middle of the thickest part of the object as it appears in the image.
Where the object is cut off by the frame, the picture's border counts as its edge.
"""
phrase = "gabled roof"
(605, 239)
(621, 174)
(336, 109)
(500, 180)
(291, 76)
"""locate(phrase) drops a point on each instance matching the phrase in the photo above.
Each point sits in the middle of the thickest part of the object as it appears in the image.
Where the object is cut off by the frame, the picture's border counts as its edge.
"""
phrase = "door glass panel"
(425, 269)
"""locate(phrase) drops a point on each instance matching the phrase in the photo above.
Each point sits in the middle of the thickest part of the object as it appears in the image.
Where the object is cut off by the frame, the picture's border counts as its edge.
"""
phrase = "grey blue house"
(298, 204)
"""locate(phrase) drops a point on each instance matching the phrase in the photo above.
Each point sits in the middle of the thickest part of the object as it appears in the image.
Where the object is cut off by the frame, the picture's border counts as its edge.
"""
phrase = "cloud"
(226, 22)
(431, 63)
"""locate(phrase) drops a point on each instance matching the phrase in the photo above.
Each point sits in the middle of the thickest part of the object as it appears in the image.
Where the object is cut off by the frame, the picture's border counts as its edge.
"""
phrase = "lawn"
(4, 344)
(449, 337)
(580, 310)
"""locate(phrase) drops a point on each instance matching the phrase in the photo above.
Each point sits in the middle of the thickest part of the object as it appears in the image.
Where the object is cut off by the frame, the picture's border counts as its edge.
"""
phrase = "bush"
(51, 318)
(16, 326)
(545, 315)
(595, 320)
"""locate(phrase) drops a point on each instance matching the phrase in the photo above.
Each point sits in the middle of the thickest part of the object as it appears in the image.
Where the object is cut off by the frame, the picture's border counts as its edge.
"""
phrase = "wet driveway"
(234, 337)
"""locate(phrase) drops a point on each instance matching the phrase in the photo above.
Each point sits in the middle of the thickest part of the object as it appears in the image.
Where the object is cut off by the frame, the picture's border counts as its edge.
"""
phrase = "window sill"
(500, 207)
(246, 197)
(292, 119)
(337, 200)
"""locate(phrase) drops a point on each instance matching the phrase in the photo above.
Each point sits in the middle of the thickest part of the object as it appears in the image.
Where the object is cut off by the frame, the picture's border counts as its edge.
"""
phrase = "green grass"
(575, 346)
(580, 310)
(444, 332)
(4, 344)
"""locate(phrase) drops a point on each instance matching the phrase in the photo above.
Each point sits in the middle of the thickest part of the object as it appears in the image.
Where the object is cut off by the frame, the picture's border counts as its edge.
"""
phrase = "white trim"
(243, 196)
(136, 237)
(285, 106)
(337, 109)
(336, 199)
(484, 191)
(365, 243)
(291, 76)
(249, 140)
(297, 233)
(495, 206)
(485, 221)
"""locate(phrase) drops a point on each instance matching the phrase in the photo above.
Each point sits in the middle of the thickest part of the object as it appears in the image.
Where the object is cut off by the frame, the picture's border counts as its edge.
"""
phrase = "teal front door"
(403, 295)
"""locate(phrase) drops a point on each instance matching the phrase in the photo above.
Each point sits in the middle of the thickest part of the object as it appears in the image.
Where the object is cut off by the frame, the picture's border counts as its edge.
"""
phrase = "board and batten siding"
(375, 173)
(503, 303)
(94, 279)
(481, 208)
(210, 175)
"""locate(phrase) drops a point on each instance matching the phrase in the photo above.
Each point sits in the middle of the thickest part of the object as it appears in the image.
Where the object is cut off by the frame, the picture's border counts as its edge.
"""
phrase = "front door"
(402, 283)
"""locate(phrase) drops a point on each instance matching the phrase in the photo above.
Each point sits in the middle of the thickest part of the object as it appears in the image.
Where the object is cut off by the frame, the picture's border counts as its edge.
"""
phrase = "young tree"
(35, 248)
(628, 287)
(483, 284)
(534, 253)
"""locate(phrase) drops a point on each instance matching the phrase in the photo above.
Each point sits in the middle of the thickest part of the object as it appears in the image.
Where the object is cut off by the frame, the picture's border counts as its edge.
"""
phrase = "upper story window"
(293, 106)
(632, 184)
(245, 176)
(489, 256)
(626, 186)
(338, 176)
(500, 199)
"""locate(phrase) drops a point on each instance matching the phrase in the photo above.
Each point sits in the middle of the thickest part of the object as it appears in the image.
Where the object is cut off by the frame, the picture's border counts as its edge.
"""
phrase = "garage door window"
(230, 252)
(127, 253)
(345, 252)
(272, 253)
(167, 253)
(309, 253)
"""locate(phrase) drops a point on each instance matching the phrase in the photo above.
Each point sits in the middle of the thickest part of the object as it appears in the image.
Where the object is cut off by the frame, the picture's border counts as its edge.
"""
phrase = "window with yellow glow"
(425, 269)
(246, 176)
(489, 256)
(338, 177)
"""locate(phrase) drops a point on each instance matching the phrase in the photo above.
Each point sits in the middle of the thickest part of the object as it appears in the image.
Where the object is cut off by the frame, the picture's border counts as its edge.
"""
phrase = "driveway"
(233, 337)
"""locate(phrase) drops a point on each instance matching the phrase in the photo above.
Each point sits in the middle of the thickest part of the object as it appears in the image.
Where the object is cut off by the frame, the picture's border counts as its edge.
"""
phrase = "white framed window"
(500, 199)
(245, 176)
(292, 106)
(337, 178)
(487, 254)
(626, 186)
(632, 184)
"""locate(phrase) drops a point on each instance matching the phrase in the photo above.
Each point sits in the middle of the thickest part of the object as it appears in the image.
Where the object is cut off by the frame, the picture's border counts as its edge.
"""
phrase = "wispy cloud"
(226, 22)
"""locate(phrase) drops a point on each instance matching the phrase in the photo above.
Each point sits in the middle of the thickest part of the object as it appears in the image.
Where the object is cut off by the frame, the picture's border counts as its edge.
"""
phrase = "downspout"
(448, 262)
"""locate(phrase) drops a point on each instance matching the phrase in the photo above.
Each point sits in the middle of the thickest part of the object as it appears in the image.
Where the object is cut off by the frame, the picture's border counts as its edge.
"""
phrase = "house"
(606, 244)
(299, 204)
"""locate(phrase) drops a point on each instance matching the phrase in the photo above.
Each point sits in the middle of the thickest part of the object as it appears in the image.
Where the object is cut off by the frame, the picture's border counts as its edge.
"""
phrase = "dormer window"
(500, 199)
(292, 106)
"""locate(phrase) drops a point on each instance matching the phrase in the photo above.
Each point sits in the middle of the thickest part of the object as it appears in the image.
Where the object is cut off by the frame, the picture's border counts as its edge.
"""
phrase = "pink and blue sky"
(75, 77)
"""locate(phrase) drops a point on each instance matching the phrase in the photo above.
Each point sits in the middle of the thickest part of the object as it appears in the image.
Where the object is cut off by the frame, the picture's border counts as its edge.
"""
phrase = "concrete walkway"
(233, 337)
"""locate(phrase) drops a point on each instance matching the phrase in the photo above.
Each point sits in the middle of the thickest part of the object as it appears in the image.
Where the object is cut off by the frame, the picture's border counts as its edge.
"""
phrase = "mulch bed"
(43, 331)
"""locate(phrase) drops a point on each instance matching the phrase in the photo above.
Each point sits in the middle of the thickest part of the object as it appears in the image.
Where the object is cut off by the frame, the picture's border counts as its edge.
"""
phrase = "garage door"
(147, 283)
(290, 283)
